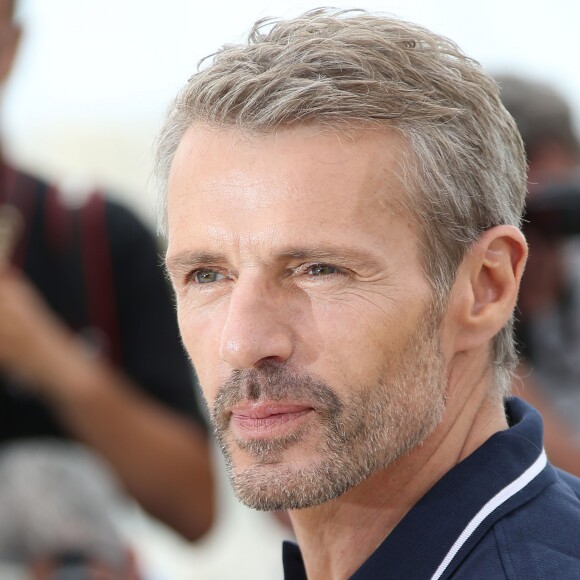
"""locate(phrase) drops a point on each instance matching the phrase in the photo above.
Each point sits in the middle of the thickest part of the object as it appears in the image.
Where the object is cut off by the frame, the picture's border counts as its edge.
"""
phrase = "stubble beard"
(359, 434)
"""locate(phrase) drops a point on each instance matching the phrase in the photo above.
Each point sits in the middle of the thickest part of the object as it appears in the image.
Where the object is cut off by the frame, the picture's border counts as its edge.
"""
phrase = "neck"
(337, 537)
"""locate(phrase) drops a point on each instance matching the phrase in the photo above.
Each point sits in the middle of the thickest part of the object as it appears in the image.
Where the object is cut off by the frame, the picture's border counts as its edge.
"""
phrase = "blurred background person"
(544, 119)
(89, 348)
(548, 325)
(59, 515)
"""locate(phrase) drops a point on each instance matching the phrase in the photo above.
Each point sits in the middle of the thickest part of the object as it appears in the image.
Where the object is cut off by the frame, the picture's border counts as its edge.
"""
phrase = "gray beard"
(360, 434)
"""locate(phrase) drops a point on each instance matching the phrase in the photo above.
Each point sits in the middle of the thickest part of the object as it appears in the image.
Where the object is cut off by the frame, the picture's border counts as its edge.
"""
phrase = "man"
(89, 348)
(344, 196)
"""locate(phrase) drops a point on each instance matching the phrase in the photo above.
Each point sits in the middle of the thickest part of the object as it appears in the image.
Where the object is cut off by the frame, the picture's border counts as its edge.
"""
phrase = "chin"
(294, 485)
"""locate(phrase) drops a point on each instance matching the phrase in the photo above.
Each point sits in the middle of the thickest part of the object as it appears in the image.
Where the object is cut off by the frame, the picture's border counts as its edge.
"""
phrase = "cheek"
(357, 339)
(200, 333)
(200, 327)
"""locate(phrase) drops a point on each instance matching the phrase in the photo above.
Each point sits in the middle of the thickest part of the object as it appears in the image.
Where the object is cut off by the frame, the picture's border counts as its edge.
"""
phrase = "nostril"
(270, 360)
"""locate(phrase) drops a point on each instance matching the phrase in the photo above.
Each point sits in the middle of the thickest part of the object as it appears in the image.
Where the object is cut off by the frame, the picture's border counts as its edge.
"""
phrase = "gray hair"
(57, 498)
(465, 167)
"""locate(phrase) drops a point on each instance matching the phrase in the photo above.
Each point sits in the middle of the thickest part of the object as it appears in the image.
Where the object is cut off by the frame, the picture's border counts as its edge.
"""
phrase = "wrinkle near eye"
(367, 301)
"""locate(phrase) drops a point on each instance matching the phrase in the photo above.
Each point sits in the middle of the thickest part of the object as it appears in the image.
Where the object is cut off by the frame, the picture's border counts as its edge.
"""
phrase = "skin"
(284, 251)
(162, 460)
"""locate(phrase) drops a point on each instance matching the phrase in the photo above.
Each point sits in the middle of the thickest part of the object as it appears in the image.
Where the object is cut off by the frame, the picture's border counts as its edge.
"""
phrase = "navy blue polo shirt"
(502, 513)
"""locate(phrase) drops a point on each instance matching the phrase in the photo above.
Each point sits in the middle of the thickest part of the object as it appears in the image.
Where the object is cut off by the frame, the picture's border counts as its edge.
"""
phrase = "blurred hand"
(34, 345)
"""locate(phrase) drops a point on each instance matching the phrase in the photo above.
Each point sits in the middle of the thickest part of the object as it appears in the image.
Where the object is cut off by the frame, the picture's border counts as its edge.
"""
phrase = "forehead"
(236, 184)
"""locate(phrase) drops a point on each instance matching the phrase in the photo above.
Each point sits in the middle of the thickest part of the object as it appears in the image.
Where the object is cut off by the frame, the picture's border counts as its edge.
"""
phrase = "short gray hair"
(465, 168)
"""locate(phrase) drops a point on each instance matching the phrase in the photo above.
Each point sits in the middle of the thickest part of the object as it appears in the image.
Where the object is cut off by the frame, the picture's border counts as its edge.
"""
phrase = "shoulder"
(552, 518)
(20, 179)
(116, 226)
(538, 540)
(122, 222)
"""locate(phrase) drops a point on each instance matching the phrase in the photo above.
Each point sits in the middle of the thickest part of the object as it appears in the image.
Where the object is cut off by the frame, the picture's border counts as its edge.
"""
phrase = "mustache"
(275, 382)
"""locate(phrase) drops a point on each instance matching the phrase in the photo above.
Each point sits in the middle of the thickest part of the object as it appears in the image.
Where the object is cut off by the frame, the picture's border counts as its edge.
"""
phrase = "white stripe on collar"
(502, 496)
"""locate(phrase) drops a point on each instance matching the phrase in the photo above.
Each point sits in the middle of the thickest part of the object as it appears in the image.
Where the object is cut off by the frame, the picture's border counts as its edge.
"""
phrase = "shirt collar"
(437, 533)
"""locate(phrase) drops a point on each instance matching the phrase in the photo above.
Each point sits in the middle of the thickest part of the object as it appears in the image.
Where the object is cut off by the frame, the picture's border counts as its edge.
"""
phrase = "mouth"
(265, 420)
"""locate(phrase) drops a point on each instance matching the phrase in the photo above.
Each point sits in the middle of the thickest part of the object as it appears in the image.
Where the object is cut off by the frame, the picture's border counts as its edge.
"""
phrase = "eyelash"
(190, 278)
(303, 269)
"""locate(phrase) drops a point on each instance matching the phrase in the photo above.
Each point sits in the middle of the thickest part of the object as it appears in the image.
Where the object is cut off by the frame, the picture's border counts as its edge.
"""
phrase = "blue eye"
(322, 270)
(206, 276)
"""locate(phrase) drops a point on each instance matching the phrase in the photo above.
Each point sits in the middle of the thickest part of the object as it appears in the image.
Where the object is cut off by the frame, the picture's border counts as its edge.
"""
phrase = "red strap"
(98, 270)
(18, 189)
(57, 224)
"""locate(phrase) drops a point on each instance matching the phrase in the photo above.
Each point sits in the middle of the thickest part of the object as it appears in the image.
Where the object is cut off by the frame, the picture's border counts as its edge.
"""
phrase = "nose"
(257, 328)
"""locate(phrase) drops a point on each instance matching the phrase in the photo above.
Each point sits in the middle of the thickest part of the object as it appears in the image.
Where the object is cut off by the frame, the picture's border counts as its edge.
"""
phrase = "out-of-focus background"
(91, 84)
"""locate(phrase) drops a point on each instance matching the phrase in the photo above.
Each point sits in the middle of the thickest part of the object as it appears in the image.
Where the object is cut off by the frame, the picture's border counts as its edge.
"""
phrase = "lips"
(260, 420)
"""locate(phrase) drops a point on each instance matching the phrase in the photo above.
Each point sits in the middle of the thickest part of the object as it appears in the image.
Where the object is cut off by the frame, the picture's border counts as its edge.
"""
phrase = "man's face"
(303, 306)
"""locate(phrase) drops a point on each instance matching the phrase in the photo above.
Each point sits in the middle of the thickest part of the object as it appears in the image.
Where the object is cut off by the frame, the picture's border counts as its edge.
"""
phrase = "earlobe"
(490, 275)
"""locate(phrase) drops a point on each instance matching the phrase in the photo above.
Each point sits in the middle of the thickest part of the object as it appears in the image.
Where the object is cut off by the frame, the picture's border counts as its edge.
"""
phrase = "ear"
(486, 287)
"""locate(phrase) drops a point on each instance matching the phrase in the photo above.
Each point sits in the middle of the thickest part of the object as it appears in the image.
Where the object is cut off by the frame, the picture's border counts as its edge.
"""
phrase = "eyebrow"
(187, 261)
(334, 253)
(190, 260)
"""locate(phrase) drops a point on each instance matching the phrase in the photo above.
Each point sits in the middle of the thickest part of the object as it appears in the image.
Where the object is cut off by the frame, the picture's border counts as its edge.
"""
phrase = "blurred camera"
(554, 210)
